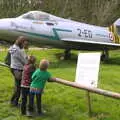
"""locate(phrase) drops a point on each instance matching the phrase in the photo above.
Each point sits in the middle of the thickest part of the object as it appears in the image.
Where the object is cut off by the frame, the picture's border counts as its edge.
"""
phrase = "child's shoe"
(29, 114)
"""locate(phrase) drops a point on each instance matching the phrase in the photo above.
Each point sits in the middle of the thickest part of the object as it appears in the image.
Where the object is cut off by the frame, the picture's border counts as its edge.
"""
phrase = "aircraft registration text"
(85, 33)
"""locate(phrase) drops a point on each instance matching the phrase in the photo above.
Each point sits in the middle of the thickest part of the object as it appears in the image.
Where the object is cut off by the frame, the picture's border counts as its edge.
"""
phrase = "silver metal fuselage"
(64, 33)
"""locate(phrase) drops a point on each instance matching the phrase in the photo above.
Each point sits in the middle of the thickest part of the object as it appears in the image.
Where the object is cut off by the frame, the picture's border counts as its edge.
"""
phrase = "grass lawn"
(62, 102)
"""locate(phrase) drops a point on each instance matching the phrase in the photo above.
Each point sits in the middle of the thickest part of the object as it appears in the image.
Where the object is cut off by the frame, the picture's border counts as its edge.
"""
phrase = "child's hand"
(52, 80)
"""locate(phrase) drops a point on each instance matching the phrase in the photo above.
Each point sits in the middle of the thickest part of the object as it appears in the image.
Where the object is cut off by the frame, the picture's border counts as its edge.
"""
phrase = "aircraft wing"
(93, 42)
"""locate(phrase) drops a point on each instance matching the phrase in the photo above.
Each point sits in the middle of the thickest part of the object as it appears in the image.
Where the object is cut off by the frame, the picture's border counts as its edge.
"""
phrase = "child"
(28, 70)
(39, 79)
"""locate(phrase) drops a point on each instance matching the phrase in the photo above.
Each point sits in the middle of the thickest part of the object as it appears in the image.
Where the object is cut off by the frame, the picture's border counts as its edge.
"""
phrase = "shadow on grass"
(114, 61)
(100, 116)
(73, 61)
(60, 55)
(61, 63)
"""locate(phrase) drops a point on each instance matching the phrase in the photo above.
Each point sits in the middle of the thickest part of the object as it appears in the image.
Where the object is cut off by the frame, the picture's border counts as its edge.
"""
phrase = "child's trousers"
(25, 93)
(38, 101)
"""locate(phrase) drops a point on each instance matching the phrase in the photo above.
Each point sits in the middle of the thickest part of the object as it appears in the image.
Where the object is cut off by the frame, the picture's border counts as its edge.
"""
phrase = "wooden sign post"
(87, 72)
(89, 104)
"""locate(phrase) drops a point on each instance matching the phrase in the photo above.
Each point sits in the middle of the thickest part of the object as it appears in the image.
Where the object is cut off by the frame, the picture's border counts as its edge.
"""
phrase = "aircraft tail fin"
(117, 22)
(115, 29)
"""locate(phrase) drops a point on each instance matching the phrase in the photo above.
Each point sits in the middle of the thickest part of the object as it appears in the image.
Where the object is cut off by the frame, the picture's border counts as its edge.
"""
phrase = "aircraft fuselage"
(62, 33)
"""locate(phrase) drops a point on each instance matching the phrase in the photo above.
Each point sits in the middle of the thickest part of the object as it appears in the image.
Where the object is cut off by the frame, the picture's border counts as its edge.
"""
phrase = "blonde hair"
(44, 64)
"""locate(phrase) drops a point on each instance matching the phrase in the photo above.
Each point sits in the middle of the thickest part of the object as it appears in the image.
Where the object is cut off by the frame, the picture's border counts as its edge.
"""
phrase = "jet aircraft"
(44, 29)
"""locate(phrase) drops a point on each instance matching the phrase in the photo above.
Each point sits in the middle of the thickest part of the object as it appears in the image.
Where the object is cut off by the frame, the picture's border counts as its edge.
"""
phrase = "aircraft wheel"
(67, 54)
(105, 55)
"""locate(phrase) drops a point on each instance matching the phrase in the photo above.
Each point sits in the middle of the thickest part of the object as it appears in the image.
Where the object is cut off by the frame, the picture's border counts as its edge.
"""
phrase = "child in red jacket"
(28, 70)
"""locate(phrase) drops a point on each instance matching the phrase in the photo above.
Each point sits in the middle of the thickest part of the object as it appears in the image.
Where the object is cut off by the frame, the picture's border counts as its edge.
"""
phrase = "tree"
(99, 12)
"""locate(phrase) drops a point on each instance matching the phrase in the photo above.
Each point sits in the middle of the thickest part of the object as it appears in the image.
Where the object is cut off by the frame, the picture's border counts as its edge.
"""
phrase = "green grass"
(66, 103)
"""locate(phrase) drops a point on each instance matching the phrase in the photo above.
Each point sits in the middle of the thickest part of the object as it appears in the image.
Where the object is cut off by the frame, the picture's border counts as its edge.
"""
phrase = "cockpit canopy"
(117, 24)
(36, 15)
(39, 15)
